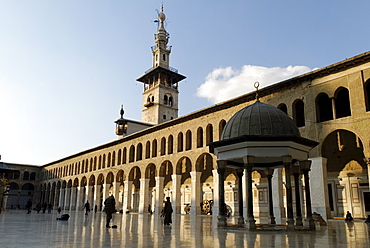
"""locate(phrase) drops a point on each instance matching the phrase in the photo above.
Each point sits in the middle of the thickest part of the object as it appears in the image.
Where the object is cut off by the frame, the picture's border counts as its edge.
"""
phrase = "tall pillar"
(176, 193)
(270, 201)
(296, 173)
(221, 167)
(334, 109)
(97, 192)
(127, 196)
(56, 197)
(240, 173)
(72, 205)
(67, 199)
(195, 193)
(144, 195)
(216, 200)
(79, 198)
(248, 163)
(318, 174)
(159, 194)
(106, 191)
(89, 195)
(61, 197)
(278, 196)
(289, 196)
(305, 167)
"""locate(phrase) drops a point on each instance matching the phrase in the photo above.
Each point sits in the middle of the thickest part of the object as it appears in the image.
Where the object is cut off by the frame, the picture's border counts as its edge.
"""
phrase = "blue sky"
(67, 66)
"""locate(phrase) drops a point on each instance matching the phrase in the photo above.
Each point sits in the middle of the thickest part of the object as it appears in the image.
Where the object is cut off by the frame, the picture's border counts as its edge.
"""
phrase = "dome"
(260, 119)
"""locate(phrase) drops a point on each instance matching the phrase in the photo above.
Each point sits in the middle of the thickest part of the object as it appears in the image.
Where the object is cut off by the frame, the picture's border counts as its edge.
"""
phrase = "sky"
(67, 66)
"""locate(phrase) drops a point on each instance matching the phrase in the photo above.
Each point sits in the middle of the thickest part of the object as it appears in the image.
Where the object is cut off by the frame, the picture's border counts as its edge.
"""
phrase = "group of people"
(350, 218)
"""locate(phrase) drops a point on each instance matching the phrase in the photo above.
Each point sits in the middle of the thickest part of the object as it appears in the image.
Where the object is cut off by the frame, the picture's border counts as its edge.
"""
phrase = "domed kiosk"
(262, 137)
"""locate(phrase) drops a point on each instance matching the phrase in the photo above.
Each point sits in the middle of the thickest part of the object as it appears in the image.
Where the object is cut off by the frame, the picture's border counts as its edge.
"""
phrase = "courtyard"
(19, 229)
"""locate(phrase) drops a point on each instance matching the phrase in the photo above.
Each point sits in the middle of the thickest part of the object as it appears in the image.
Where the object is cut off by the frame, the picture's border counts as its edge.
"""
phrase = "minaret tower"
(160, 96)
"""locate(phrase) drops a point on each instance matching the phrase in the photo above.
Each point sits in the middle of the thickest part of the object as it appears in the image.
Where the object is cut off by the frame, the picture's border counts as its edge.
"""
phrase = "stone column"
(271, 206)
(176, 193)
(79, 198)
(305, 167)
(289, 196)
(248, 163)
(221, 167)
(195, 193)
(159, 194)
(116, 192)
(216, 200)
(318, 174)
(105, 191)
(334, 109)
(90, 196)
(67, 199)
(367, 161)
(144, 191)
(278, 196)
(61, 197)
(296, 174)
(56, 197)
(239, 173)
(72, 205)
(127, 196)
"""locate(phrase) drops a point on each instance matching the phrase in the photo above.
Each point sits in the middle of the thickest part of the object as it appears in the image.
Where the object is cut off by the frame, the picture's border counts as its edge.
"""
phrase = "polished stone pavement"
(18, 229)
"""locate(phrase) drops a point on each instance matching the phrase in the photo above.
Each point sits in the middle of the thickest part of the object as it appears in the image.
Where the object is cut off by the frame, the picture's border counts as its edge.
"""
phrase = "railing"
(169, 68)
(168, 48)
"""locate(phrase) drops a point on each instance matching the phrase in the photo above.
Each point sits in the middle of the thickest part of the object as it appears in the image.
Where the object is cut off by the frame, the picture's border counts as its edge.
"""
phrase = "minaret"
(160, 96)
(121, 125)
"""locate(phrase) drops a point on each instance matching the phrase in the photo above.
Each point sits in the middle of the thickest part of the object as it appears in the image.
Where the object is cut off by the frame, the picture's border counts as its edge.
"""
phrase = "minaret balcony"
(148, 104)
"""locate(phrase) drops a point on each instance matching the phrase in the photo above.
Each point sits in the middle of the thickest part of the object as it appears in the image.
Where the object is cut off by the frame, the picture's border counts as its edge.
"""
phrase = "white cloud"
(226, 83)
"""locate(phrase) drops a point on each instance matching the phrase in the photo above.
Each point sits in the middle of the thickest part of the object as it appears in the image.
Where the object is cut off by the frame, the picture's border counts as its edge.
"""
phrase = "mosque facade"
(166, 155)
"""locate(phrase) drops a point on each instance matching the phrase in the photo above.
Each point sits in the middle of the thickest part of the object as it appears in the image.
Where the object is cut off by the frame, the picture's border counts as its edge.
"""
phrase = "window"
(298, 113)
(324, 110)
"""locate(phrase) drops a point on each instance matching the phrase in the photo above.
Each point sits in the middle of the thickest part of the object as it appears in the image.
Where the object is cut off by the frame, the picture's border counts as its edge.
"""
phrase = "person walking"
(87, 207)
(109, 208)
(50, 207)
(29, 206)
(167, 211)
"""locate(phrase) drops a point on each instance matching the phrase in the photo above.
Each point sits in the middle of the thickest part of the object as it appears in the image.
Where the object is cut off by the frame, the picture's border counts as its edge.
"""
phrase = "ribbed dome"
(260, 119)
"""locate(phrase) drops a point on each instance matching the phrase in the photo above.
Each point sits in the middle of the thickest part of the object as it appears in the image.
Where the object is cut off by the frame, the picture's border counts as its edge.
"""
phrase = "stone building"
(167, 155)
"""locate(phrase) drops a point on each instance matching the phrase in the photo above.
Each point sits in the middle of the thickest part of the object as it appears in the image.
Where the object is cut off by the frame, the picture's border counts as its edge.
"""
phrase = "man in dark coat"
(29, 206)
(109, 208)
(87, 207)
(167, 211)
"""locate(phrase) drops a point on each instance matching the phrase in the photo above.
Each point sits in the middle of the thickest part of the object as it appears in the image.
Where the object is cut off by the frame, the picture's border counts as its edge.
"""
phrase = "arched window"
(324, 110)
(154, 148)
(26, 175)
(221, 127)
(99, 165)
(199, 137)
(139, 152)
(163, 146)
(209, 134)
(283, 108)
(147, 149)
(104, 161)
(94, 163)
(119, 157)
(342, 104)
(170, 101)
(180, 142)
(367, 94)
(188, 140)
(113, 158)
(298, 113)
(109, 160)
(16, 175)
(164, 57)
(131, 154)
(170, 144)
(165, 100)
(33, 176)
(124, 155)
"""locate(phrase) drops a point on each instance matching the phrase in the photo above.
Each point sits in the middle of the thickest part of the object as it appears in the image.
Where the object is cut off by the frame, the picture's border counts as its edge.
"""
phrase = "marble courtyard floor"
(18, 229)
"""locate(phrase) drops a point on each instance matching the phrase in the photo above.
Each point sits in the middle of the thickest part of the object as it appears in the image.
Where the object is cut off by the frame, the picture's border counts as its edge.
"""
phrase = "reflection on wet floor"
(19, 229)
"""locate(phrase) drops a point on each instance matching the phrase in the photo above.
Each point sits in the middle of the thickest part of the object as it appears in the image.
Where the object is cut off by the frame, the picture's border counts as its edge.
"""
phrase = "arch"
(76, 182)
(110, 178)
(342, 103)
(367, 94)
(124, 156)
(119, 157)
(165, 100)
(204, 162)
(209, 134)
(113, 158)
(150, 173)
(104, 161)
(170, 144)
(166, 171)
(134, 176)
(139, 152)
(199, 137)
(147, 149)
(100, 180)
(91, 164)
(183, 168)
(14, 186)
(28, 186)
(26, 175)
(131, 154)
(154, 148)
(180, 142)
(283, 107)
(324, 109)
(188, 140)
(95, 163)
(221, 127)
(120, 176)
(170, 101)
(163, 146)
(92, 180)
(99, 165)
(340, 147)
(298, 113)
(83, 182)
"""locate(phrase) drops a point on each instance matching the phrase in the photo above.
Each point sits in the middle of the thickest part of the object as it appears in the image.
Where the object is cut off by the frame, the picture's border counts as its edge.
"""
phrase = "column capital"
(305, 165)
(269, 172)
(221, 164)
(287, 159)
(248, 160)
